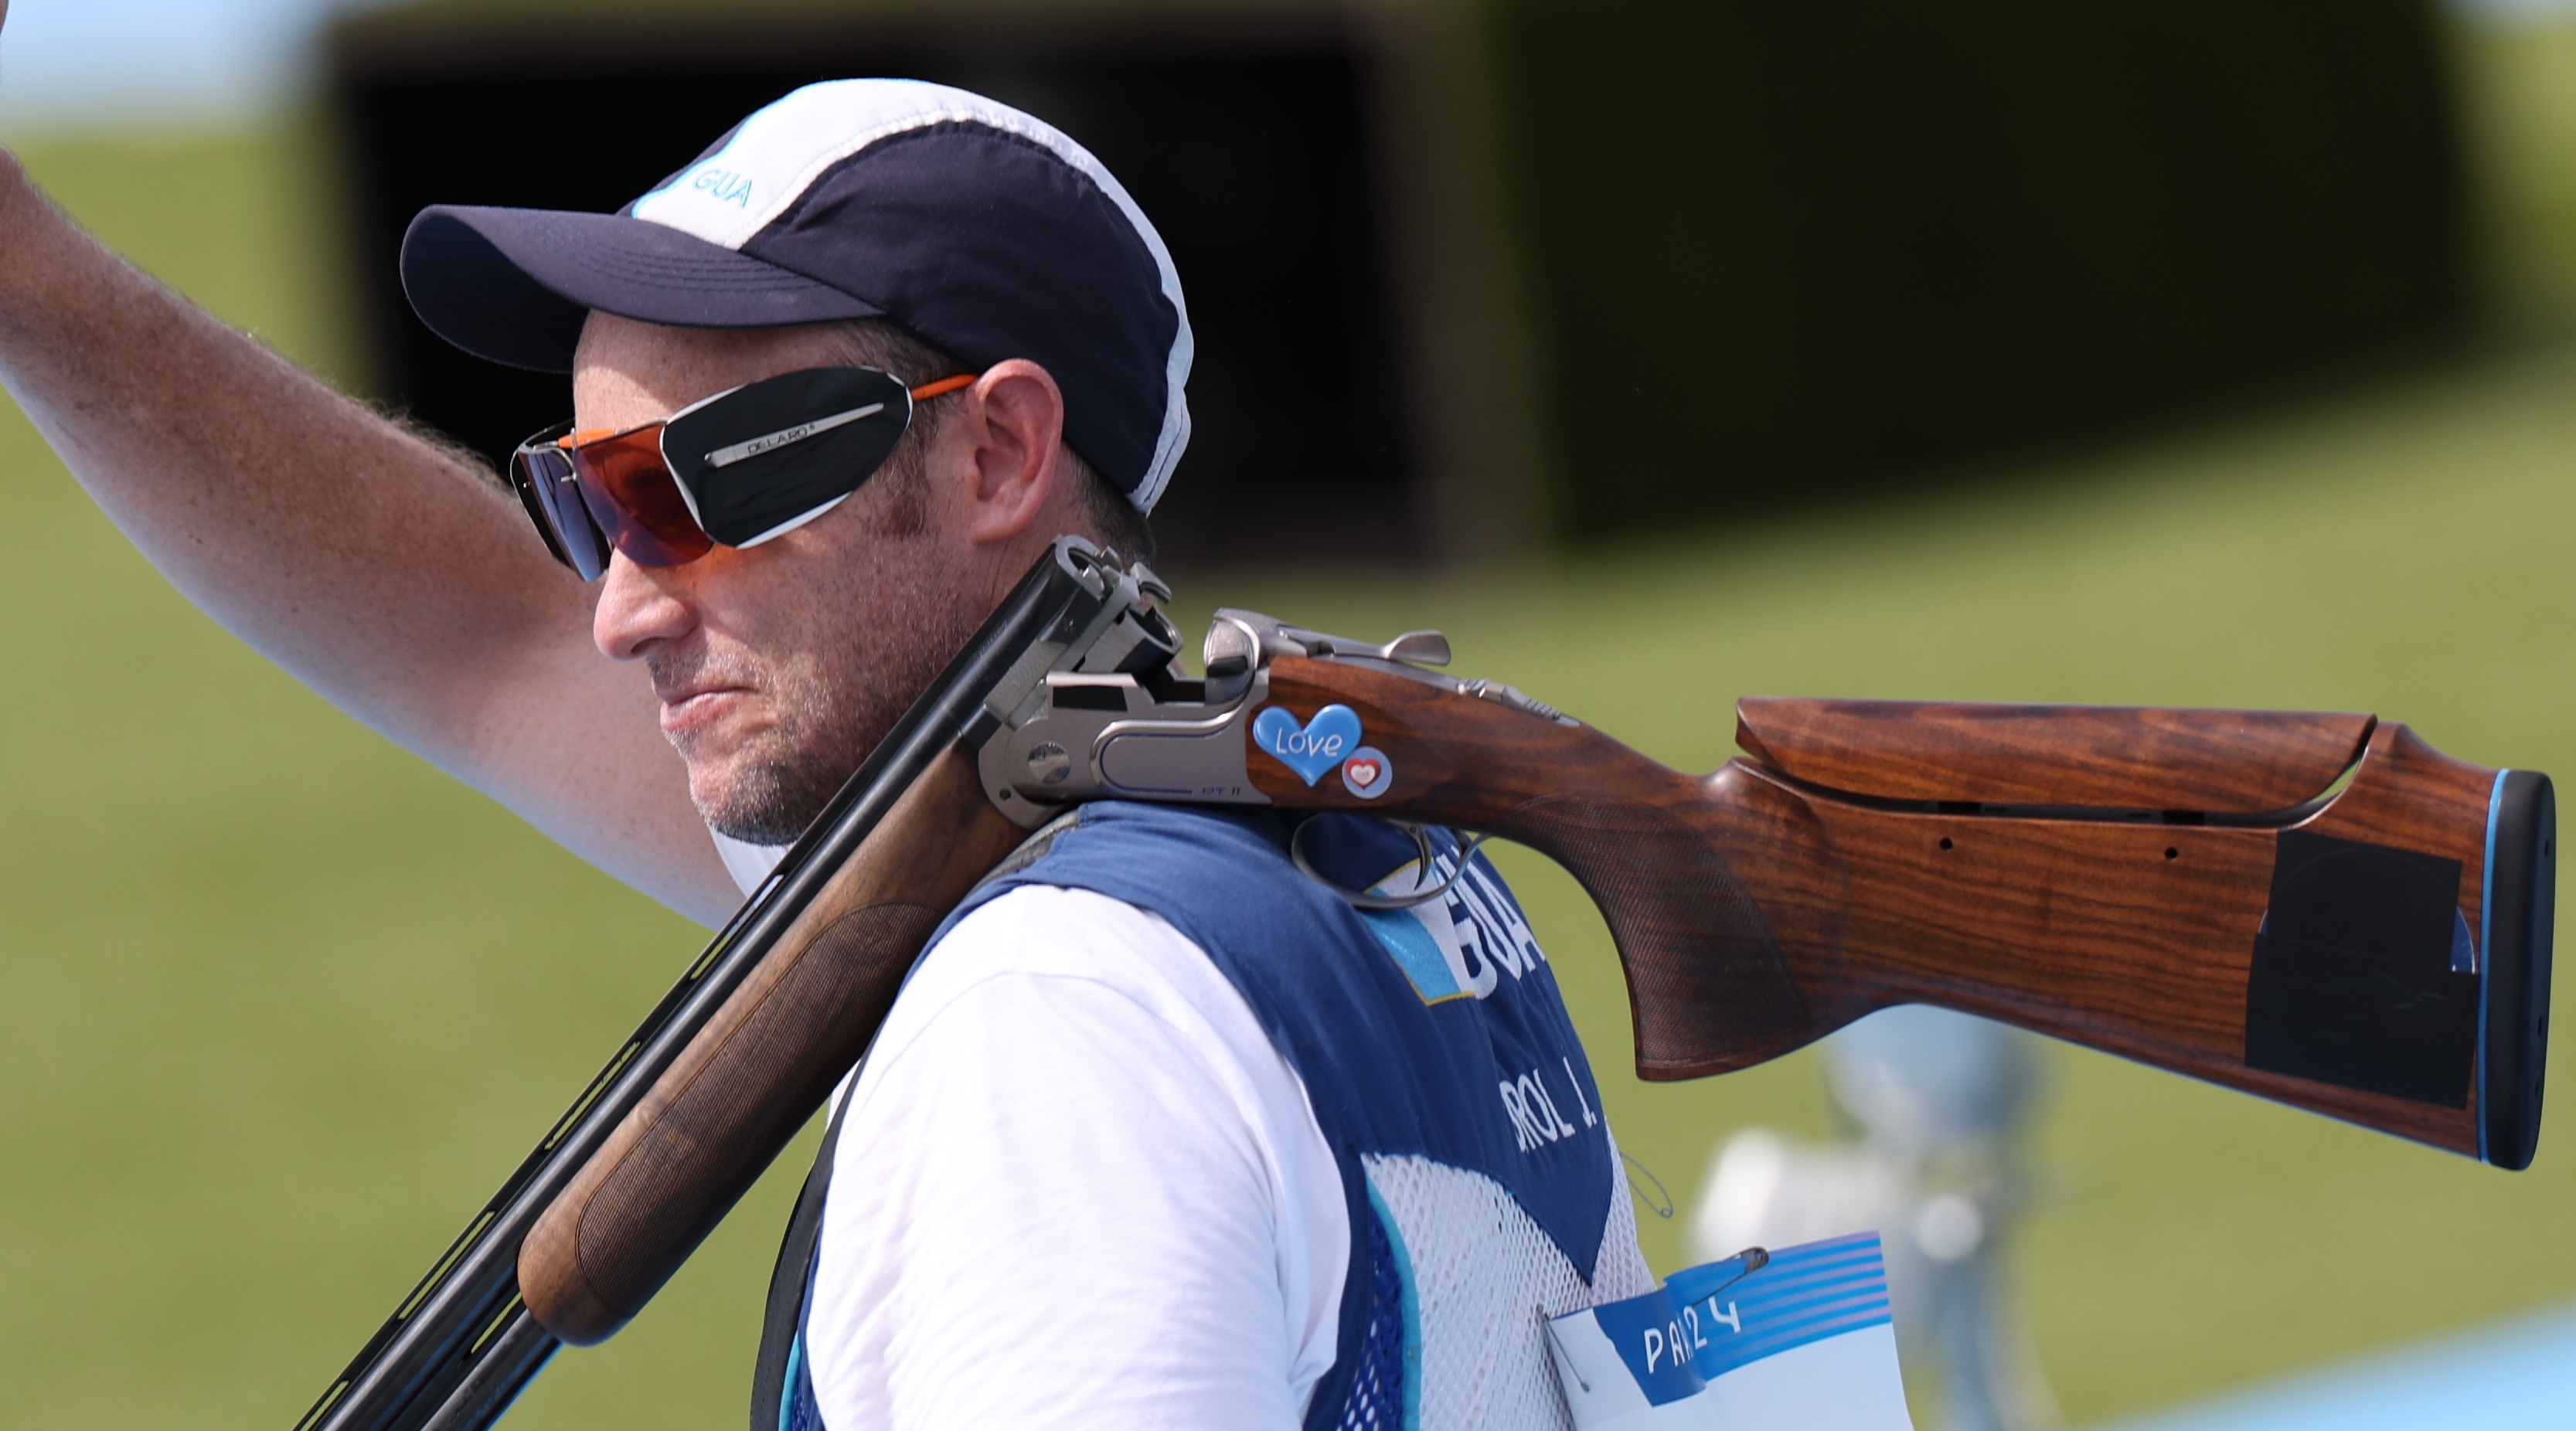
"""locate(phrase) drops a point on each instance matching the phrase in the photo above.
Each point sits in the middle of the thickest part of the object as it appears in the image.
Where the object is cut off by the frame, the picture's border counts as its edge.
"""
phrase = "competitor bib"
(1803, 1343)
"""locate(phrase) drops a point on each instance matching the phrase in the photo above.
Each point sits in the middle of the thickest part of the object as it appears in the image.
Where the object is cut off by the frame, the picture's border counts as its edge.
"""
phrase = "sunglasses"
(733, 470)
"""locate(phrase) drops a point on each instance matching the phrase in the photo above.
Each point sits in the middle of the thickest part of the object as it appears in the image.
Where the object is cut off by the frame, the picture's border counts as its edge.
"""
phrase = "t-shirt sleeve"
(1076, 1187)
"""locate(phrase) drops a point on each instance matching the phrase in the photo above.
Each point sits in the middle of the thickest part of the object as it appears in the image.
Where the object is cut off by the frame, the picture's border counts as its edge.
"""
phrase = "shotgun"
(2317, 908)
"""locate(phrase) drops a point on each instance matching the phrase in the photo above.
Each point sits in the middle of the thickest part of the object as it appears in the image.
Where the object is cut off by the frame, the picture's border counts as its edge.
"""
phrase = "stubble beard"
(824, 723)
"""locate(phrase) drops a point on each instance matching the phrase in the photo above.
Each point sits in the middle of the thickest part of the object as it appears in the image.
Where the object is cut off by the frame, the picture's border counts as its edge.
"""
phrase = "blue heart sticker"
(1312, 749)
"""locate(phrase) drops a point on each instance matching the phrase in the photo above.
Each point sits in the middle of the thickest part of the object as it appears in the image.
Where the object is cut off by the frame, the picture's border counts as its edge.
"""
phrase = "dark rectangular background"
(1773, 255)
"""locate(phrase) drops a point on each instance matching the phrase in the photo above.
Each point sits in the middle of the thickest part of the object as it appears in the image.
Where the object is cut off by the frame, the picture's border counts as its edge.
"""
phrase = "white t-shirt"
(1120, 1214)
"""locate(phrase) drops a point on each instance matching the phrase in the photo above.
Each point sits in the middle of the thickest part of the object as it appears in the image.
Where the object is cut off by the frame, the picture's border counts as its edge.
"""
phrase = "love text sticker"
(1313, 748)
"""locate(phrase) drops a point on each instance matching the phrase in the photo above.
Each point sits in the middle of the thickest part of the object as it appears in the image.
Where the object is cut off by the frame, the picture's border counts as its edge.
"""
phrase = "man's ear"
(1014, 417)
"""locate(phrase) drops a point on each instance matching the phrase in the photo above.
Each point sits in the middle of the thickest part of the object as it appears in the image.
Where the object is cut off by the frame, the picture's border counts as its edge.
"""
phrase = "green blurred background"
(282, 1005)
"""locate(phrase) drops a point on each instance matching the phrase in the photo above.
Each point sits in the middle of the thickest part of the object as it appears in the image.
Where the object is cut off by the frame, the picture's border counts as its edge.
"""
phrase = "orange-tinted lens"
(629, 491)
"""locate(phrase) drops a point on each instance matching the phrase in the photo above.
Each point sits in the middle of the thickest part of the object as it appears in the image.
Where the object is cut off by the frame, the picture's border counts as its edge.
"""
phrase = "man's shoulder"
(1161, 896)
(1039, 982)
(1213, 871)
(1049, 931)
(1197, 868)
(1144, 835)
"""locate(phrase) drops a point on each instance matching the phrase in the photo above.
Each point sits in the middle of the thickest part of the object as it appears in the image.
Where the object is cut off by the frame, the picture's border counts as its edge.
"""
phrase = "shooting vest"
(1482, 1187)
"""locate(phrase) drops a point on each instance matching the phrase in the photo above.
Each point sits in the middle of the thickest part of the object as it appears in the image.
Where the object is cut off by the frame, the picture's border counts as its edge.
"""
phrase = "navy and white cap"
(983, 229)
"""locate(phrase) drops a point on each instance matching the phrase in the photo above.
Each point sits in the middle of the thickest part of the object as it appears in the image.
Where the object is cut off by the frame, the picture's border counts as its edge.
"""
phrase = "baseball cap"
(982, 229)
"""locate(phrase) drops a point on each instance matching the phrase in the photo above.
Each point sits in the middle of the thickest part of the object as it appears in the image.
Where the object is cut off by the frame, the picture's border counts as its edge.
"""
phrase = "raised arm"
(375, 567)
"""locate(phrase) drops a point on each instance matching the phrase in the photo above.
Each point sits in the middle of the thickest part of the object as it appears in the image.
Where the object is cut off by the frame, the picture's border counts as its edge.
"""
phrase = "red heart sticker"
(1363, 773)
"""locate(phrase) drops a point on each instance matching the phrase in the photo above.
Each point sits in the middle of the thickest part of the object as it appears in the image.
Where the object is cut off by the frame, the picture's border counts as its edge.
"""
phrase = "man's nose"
(638, 608)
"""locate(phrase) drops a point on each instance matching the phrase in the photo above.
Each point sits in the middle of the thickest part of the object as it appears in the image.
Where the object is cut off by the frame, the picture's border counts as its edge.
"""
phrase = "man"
(1160, 1133)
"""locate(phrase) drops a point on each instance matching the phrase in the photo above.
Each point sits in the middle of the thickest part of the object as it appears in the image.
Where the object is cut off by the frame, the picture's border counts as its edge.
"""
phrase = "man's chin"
(762, 804)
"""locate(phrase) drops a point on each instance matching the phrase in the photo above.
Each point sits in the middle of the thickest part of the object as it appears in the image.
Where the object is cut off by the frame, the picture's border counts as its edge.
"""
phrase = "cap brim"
(513, 285)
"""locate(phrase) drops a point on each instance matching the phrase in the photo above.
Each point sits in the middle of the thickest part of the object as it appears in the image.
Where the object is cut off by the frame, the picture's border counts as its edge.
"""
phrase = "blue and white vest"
(1484, 1192)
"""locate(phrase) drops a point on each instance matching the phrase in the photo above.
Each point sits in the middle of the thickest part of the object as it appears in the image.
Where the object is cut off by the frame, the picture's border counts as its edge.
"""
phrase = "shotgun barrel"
(2379, 954)
(459, 1349)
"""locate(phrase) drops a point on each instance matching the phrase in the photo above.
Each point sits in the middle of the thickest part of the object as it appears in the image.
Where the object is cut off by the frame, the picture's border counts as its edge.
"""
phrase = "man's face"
(780, 667)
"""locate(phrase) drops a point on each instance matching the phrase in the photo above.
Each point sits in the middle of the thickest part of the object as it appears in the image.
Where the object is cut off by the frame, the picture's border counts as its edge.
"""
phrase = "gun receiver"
(2187, 888)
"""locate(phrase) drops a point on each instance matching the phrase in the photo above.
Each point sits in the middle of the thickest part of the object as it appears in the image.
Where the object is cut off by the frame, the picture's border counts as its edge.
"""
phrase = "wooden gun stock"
(720, 1114)
(2166, 885)
(2172, 886)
